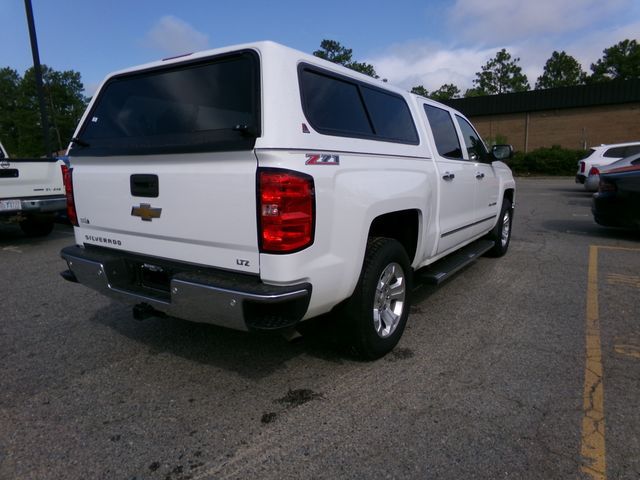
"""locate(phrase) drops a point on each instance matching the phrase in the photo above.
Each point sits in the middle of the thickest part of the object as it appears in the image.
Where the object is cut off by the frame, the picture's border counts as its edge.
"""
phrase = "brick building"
(572, 117)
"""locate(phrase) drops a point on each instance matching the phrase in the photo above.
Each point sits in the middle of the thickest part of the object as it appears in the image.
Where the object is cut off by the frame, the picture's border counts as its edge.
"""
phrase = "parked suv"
(604, 155)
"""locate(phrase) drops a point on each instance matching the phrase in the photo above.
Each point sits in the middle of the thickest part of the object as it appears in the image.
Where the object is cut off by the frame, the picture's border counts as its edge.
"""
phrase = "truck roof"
(267, 49)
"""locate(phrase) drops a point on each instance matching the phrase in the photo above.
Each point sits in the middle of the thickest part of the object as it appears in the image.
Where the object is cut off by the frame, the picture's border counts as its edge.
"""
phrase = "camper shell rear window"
(199, 106)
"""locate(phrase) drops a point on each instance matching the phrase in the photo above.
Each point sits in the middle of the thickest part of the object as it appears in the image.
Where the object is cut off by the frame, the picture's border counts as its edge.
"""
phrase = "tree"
(20, 110)
(501, 74)
(446, 92)
(336, 53)
(561, 70)
(9, 85)
(420, 90)
(620, 61)
(473, 92)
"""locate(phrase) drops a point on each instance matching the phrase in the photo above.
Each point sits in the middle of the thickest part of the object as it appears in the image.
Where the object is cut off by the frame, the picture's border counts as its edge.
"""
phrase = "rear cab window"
(204, 105)
(444, 132)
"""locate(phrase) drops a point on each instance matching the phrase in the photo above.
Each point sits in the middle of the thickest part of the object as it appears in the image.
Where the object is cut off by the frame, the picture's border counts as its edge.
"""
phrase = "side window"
(444, 132)
(390, 116)
(334, 105)
(475, 146)
(616, 152)
(632, 150)
(337, 105)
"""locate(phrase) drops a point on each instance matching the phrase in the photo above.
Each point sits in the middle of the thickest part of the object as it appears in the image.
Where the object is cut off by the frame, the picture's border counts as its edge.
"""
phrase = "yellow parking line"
(593, 442)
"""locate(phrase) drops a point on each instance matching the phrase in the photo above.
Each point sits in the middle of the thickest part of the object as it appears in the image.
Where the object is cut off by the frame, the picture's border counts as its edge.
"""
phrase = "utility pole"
(38, 73)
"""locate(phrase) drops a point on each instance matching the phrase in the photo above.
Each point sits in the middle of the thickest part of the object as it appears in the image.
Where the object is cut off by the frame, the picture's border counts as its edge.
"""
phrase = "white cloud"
(430, 65)
(528, 30)
(173, 36)
(503, 21)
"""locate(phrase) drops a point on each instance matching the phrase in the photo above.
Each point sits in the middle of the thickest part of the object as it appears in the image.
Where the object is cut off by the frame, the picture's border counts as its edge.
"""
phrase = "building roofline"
(597, 94)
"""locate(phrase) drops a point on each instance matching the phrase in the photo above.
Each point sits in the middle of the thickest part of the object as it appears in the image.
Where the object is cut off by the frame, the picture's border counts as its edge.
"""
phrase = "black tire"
(37, 225)
(501, 235)
(371, 336)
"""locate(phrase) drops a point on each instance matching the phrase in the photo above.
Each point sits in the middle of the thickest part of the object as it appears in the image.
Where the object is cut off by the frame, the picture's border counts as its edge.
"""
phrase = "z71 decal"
(322, 159)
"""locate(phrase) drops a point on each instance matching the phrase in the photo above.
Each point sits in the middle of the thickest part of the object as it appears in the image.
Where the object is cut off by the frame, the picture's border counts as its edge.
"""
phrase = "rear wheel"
(37, 225)
(377, 312)
(501, 233)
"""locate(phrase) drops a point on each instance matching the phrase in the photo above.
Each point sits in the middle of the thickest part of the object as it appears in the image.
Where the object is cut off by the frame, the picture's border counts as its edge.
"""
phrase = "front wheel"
(501, 233)
(377, 312)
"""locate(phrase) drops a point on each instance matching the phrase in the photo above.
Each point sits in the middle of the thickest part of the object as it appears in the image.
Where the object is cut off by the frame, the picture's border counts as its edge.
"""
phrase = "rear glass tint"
(616, 152)
(343, 106)
(444, 132)
(334, 105)
(390, 116)
(210, 106)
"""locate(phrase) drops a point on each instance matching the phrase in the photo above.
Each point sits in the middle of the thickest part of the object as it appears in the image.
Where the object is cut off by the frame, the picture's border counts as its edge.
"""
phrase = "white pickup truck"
(256, 186)
(31, 192)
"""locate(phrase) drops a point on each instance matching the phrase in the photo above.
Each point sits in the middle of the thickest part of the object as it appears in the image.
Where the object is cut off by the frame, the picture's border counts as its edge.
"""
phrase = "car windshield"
(211, 105)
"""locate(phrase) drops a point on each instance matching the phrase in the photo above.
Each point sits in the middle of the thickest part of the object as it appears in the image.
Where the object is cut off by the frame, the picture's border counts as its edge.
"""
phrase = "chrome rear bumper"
(227, 299)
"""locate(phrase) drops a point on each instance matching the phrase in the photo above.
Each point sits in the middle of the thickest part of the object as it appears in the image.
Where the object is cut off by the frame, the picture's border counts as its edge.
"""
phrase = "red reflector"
(67, 177)
(286, 210)
(582, 167)
(594, 171)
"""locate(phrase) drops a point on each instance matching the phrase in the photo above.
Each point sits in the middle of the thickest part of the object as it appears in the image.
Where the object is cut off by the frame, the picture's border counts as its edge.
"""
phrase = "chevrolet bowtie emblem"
(146, 212)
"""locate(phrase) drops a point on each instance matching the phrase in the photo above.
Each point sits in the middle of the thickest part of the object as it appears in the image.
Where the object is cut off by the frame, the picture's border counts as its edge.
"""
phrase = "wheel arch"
(402, 225)
(509, 193)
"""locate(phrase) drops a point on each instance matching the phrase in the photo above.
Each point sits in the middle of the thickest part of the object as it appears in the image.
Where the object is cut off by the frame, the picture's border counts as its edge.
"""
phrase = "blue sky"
(409, 42)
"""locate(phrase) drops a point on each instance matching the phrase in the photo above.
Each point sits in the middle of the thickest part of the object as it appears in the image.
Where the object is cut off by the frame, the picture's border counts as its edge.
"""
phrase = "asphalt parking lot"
(522, 367)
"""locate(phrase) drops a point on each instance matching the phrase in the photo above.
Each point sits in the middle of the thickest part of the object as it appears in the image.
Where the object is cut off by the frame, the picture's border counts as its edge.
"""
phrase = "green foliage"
(561, 70)
(499, 139)
(619, 62)
(446, 92)
(473, 92)
(546, 161)
(501, 74)
(20, 127)
(9, 86)
(420, 90)
(336, 53)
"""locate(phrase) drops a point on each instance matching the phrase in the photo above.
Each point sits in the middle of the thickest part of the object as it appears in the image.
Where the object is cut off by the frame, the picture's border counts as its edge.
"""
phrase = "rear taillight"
(594, 171)
(582, 167)
(286, 207)
(67, 177)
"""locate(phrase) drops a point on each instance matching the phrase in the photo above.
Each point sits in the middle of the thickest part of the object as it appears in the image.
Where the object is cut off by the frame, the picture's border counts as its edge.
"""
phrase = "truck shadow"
(591, 229)
(11, 234)
(251, 355)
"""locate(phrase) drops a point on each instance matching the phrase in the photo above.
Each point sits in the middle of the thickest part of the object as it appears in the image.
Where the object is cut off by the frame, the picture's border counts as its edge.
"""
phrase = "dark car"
(617, 203)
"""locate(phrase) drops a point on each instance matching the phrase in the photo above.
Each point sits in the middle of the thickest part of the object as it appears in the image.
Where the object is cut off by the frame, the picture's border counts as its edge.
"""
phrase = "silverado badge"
(146, 212)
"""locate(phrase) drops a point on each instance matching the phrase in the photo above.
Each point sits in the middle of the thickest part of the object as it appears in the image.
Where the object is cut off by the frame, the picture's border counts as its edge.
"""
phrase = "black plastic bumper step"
(439, 271)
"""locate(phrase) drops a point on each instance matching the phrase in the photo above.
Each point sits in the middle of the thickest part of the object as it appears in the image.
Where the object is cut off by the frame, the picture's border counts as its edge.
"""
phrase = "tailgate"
(23, 178)
(198, 208)
(164, 162)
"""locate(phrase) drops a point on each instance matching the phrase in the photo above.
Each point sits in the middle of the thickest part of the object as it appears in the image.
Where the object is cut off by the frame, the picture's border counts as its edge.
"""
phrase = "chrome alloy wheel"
(389, 300)
(506, 227)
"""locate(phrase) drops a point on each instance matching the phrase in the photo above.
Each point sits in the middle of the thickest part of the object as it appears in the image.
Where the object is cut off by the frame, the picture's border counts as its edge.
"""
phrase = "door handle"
(448, 176)
(479, 175)
(144, 185)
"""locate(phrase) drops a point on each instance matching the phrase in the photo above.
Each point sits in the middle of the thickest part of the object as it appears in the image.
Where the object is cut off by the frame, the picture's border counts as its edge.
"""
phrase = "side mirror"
(502, 152)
